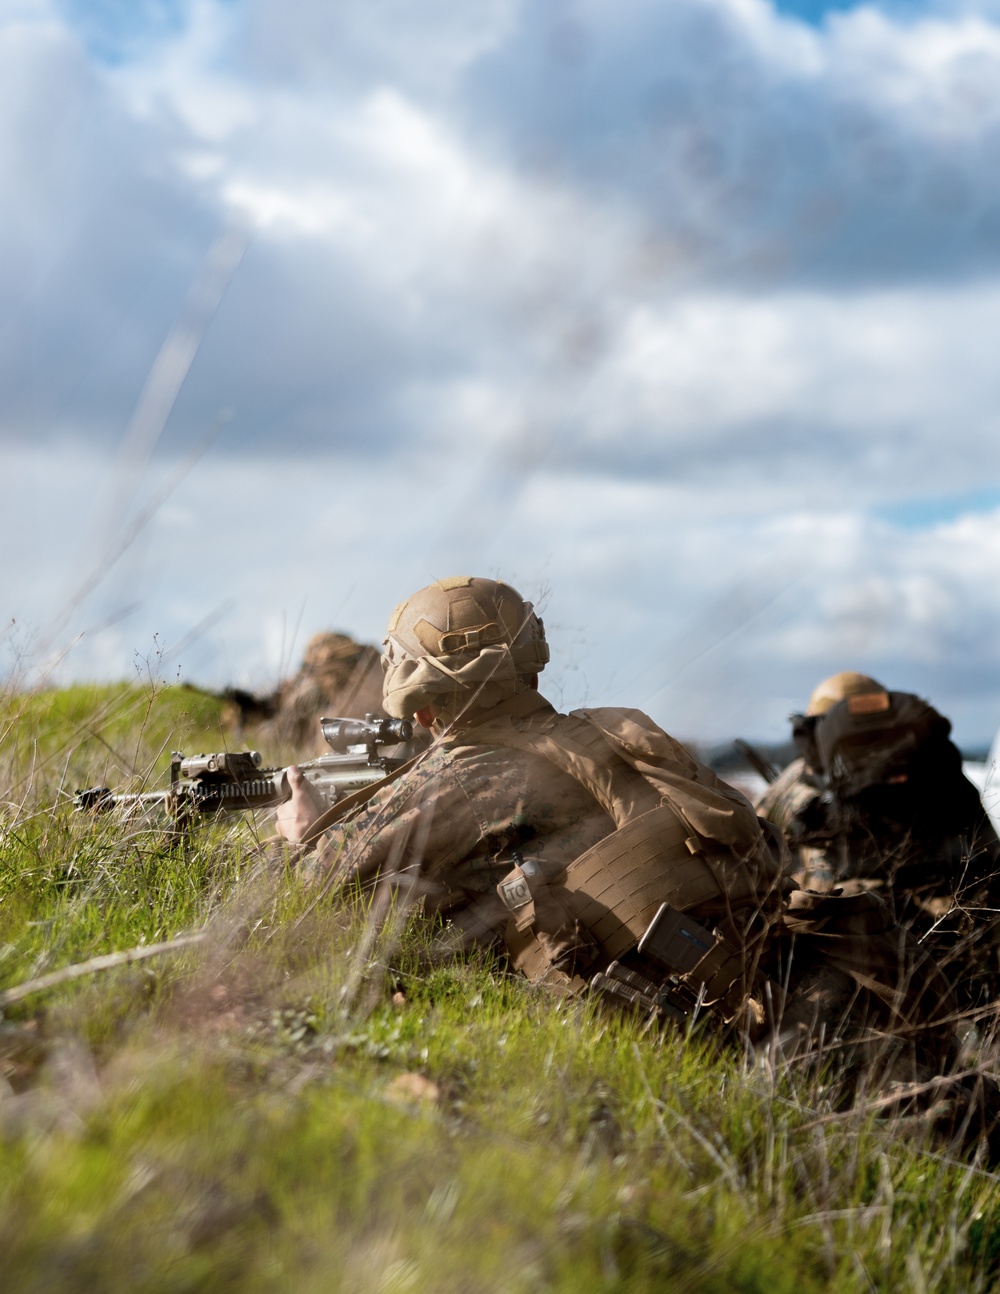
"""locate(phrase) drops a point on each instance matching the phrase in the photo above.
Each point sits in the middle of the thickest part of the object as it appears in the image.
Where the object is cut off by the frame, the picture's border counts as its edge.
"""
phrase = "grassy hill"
(306, 1100)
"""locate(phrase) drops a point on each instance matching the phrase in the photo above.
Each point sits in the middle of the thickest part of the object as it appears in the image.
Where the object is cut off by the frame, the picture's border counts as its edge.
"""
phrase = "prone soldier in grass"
(877, 800)
(604, 857)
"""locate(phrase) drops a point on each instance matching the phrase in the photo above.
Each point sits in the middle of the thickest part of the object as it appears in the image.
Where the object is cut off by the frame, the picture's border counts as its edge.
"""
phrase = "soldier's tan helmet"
(463, 615)
(838, 687)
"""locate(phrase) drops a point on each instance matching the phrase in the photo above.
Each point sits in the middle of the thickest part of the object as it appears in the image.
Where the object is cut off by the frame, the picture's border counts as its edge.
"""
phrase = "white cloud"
(690, 601)
(830, 371)
(937, 77)
(653, 309)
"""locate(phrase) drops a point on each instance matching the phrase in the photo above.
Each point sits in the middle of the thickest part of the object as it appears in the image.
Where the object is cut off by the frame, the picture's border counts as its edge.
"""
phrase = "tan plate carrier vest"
(683, 837)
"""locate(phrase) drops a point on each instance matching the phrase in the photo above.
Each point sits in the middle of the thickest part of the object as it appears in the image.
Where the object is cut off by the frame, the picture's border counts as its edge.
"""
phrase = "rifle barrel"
(757, 761)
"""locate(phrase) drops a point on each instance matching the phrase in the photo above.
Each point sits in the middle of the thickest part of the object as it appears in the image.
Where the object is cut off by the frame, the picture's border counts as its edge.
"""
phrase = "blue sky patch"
(922, 513)
(114, 29)
(815, 10)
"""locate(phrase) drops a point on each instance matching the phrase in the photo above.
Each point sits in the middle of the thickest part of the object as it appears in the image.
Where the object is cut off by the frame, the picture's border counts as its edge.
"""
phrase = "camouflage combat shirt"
(452, 826)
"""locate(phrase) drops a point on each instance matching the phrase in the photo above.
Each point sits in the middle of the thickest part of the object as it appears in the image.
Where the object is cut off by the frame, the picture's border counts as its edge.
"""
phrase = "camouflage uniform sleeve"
(419, 830)
(780, 802)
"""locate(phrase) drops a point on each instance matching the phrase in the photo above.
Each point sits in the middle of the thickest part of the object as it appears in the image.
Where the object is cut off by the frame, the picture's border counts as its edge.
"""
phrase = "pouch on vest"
(680, 966)
(541, 910)
(701, 959)
(616, 887)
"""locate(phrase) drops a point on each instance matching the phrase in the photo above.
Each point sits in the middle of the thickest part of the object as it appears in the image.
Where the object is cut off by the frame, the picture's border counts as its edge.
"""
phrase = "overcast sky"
(682, 316)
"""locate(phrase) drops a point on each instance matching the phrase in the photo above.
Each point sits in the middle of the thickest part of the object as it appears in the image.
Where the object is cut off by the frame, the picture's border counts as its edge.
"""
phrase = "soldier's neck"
(514, 707)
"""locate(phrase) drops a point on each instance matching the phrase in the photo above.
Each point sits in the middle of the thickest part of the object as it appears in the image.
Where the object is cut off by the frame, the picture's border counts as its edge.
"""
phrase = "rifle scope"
(340, 734)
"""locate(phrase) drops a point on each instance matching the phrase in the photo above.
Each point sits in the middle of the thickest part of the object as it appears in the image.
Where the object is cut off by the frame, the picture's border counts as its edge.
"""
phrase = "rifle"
(757, 761)
(234, 781)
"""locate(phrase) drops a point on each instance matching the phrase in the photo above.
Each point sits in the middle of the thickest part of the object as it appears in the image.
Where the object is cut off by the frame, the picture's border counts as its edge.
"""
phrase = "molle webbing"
(616, 887)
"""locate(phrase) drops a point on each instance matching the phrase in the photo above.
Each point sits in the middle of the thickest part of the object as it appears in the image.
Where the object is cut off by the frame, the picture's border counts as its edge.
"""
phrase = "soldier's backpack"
(883, 739)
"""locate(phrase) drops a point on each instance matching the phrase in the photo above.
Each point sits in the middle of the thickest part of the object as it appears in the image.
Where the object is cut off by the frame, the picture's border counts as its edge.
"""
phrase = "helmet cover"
(460, 642)
(837, 688)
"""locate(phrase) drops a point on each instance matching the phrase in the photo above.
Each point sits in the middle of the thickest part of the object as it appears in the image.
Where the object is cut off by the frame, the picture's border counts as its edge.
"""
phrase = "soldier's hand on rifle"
(294, 818)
